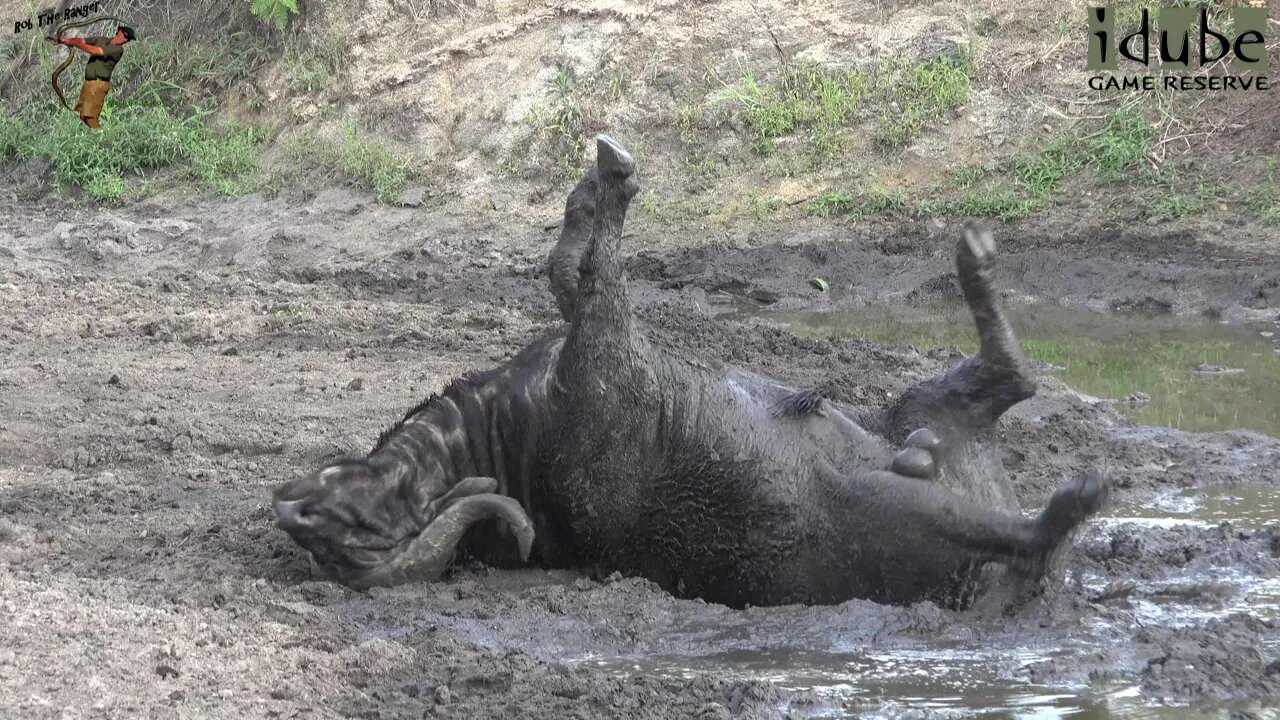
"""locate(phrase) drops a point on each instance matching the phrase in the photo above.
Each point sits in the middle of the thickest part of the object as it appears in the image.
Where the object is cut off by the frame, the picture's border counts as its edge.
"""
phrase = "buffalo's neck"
(488, 425)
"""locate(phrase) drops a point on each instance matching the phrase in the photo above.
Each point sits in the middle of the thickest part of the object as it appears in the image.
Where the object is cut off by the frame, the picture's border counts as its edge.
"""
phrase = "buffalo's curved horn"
(429, 554)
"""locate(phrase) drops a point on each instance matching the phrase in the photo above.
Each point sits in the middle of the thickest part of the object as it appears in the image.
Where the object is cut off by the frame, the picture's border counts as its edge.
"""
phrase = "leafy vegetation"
(925, 92)
(903, 98)
(274, 12)
(365, 161)
(135, 138)
(1123, 144)
(1264, 200)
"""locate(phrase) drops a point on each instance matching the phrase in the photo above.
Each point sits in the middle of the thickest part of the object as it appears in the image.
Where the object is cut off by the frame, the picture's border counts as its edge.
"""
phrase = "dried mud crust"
(165, 365)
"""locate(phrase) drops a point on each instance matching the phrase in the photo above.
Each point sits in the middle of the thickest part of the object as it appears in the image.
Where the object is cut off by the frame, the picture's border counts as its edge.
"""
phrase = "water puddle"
(1246, 507)
(952, 683)
(1192, 373)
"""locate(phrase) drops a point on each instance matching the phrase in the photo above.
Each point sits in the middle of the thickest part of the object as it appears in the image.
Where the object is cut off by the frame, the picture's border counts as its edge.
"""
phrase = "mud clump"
(1221, 661)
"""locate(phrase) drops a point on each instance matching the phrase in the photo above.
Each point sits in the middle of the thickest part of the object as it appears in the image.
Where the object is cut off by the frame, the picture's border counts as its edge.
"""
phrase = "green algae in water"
(1106, 355)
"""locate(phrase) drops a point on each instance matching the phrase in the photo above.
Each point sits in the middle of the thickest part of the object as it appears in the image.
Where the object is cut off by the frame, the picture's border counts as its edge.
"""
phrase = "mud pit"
(166, 365)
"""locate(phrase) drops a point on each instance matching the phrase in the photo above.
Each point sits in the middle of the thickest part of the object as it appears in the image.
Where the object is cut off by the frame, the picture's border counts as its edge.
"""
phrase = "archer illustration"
(104, 52)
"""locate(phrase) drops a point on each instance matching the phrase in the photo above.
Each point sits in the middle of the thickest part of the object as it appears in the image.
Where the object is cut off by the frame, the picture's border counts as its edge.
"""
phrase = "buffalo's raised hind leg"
(606, 390)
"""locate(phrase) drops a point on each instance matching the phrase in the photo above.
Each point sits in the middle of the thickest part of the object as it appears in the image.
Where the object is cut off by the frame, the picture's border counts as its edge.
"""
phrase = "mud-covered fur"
(713, 481)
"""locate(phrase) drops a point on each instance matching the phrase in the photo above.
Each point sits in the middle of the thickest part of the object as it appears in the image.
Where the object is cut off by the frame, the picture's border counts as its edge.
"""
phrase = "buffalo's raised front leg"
(980, 389)
(999, 379)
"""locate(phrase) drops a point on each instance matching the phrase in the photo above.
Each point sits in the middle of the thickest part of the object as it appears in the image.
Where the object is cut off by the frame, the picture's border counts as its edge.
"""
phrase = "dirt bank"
(166, 363)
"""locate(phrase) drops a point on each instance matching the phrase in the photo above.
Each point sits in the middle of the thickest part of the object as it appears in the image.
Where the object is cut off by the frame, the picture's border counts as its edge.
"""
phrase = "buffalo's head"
(366, 526)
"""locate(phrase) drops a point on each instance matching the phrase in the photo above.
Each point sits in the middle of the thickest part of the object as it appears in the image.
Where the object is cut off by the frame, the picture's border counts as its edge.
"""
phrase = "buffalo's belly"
(717, 530)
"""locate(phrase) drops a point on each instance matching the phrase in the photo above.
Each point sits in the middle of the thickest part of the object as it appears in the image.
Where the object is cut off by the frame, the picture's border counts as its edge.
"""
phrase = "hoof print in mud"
(613, 443)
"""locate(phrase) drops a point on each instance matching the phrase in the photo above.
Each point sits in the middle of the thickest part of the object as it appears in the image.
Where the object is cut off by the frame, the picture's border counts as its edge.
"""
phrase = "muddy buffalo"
(598, 447)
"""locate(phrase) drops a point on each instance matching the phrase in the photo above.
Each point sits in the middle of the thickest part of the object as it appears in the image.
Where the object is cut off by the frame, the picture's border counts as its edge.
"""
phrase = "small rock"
(1207, 369)
(499, 201)
(230, 352)
(1136, 398)
(113, 380)
(413, 196)
(356, 385)
(442, 695)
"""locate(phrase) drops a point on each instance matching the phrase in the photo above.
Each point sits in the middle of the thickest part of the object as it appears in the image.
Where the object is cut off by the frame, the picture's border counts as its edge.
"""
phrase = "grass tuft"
(924, 94)
(135, 139)
(368, 163)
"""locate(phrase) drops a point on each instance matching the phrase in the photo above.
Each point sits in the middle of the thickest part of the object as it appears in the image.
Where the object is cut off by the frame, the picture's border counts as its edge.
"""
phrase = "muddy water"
(959, 677)
(1196, 374)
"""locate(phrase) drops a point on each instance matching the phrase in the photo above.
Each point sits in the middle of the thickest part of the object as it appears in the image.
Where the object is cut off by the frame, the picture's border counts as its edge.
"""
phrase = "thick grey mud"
(151, 395)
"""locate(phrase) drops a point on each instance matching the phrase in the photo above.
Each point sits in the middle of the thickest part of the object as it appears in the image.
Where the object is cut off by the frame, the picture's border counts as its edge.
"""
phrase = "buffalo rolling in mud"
(711, 481)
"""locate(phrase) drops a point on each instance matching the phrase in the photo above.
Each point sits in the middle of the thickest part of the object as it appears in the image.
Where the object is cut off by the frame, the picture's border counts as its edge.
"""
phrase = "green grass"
(561, 130)
(1042, 174)
(697, 156)
(1264, 200)
(1122, 145)
(365, 161)
(314, 67)
(806, 96)
(291, 314)
(924, 94)
(835, 202)
(863, 203)
(993, 200)
(820, 102)
(764, 207)
(1030, 182)
(134, 140)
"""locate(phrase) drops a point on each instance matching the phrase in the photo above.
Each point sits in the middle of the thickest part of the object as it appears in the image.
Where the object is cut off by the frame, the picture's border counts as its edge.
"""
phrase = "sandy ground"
(165, 364)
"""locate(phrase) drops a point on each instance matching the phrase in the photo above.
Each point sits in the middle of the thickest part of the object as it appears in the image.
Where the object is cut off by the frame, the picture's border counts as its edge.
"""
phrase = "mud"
(165, 364)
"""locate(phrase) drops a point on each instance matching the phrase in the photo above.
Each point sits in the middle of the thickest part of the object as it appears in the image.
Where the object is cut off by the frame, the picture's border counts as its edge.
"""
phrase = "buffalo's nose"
(294, 515)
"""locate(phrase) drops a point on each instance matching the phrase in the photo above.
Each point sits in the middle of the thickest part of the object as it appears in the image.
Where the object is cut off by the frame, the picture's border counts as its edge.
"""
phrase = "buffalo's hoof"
(1072, 503)
(615, 165)
(918, 459)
